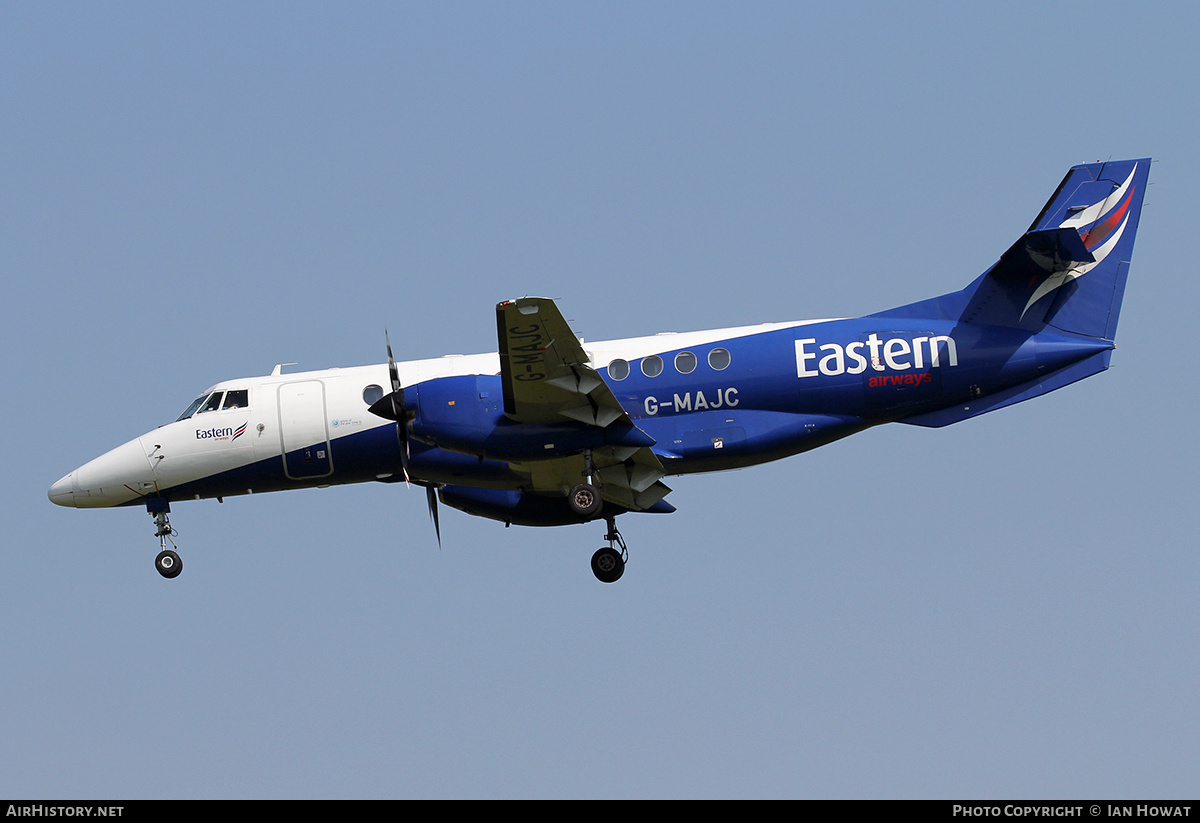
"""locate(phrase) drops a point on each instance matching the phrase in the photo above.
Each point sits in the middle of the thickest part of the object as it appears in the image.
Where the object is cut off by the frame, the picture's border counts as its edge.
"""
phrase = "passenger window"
(652, 366)
(236, 399)
(685, 362)
(214, 403)
(618, 369)
(718, 359)
(372, 394)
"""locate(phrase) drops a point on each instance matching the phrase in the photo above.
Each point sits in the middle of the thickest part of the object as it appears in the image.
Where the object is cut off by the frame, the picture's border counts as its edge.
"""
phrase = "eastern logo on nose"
(226, 433)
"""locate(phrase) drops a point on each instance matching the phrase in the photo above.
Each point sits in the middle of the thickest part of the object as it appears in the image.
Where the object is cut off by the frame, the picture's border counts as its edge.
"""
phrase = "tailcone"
(1054, 352)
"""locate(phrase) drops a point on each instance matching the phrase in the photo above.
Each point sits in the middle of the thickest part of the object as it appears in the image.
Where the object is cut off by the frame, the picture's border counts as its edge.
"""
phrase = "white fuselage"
(302, 422)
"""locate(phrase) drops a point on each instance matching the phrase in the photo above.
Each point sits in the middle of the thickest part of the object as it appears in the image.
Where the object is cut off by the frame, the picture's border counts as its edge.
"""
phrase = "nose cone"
(109, 480)
(62, 493)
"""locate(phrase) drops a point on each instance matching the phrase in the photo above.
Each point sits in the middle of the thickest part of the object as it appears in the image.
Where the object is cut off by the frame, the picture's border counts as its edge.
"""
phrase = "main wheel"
(607, 565)
(585, 500)
(168, 564)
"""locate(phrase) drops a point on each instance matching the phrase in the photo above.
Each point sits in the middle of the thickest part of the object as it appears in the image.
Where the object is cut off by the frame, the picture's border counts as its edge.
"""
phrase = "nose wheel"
(608, 563)
(168, 562)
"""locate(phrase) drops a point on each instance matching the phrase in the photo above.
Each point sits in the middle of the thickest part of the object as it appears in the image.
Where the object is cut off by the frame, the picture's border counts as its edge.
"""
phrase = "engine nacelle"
(465, 414)
(525, 508)
(510, 507)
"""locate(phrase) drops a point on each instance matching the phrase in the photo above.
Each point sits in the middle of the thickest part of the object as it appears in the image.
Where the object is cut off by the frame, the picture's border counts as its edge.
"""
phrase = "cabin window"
(618, 369)
(719, 359)
(372, 394)
(685, 362)
(214, 403)
(236, 399)
(652, 366)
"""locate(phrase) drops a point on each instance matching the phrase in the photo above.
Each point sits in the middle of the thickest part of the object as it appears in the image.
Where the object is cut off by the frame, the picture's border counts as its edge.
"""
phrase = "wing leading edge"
(546, 378)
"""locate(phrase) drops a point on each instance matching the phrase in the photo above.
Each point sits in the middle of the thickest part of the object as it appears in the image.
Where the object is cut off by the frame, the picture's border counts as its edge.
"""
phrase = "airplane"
(550, 430)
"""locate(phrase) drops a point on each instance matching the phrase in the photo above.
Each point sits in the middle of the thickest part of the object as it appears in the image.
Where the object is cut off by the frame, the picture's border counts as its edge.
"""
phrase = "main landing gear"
(168, 563)
(608, 564)
(585, 500)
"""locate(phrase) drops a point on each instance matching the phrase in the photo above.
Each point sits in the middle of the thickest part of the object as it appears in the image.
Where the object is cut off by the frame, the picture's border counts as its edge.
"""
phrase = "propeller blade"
(391, 363)
(431, 499)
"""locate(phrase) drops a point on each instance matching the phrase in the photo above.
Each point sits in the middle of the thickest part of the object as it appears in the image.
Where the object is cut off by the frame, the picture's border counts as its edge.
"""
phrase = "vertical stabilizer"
(1068, 271)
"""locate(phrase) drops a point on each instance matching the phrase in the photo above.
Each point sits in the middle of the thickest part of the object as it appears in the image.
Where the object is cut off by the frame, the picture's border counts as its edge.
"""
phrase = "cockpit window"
(214, 403)
(236, 399)
(192, 408)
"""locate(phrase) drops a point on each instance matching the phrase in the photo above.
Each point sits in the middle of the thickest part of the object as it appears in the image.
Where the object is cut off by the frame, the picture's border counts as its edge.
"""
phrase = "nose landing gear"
(168, 563)
(608, 564)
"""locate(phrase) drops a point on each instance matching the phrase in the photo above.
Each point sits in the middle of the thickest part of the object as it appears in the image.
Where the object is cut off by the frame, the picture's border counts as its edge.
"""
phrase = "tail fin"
(1068, 271)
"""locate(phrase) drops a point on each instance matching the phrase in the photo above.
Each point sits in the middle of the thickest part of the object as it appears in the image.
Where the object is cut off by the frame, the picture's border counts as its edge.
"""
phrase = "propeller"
(392, 407)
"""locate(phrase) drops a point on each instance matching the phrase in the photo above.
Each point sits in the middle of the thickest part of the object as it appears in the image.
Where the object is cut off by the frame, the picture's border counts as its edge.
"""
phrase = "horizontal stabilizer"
(1042, 253)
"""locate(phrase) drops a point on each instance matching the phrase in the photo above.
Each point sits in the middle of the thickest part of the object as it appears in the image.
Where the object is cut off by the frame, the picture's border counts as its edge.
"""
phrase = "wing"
(547, 379)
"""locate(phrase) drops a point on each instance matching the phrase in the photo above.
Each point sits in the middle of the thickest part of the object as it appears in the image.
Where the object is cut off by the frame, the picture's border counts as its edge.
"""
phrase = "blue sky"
(195, 192)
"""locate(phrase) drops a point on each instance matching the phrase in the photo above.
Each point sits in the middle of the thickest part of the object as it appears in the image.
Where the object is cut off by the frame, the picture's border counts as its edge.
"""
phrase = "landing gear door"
(303, 433)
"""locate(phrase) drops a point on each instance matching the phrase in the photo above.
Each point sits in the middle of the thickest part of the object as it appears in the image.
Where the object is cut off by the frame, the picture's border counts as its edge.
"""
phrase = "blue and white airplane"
(551, 430)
